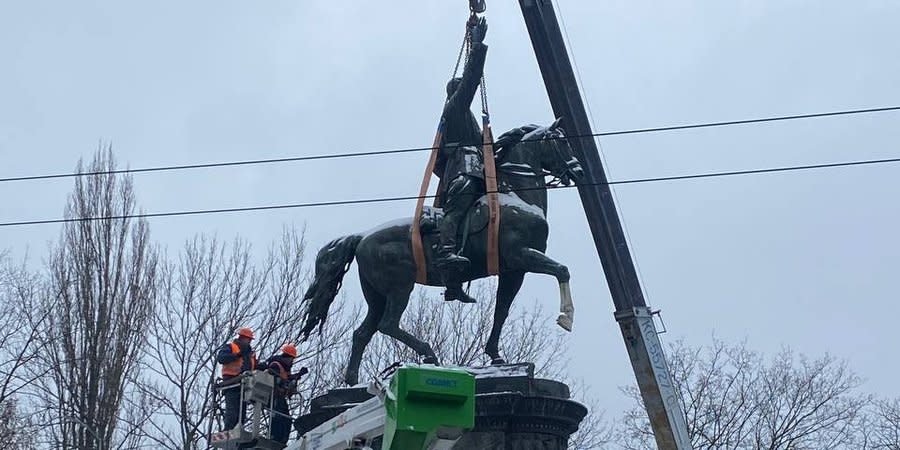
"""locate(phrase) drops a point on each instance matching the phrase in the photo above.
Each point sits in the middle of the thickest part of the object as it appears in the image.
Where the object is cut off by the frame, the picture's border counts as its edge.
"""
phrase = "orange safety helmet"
(289, 349)
(246, 332)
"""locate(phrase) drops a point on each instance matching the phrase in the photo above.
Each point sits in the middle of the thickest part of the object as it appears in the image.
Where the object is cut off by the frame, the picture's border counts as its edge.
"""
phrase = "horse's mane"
(508, 140)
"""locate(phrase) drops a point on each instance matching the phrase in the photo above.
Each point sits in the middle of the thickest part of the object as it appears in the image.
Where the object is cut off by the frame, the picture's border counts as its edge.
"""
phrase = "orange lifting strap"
(493, 200)
(415, 229)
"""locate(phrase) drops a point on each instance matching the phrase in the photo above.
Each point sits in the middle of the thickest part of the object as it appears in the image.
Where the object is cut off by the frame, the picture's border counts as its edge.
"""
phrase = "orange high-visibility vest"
(282, 372)
(233, 368)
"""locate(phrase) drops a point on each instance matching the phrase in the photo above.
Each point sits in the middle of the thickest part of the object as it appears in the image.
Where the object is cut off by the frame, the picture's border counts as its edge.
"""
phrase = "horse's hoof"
(431, 360)
(498, 361)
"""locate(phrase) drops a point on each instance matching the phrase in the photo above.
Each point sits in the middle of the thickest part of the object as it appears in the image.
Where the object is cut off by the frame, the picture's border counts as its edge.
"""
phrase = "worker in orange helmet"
(286, 386)
(236, 357)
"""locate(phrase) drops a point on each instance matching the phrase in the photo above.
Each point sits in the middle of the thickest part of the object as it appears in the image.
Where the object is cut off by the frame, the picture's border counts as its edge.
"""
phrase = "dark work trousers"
(281, 422)
(233, 407)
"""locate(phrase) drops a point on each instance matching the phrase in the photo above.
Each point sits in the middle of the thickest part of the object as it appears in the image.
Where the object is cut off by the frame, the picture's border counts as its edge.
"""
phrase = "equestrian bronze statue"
(525, 157)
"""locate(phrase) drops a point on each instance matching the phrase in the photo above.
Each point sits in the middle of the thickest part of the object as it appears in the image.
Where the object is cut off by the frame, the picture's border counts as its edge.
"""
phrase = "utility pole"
(634, 317)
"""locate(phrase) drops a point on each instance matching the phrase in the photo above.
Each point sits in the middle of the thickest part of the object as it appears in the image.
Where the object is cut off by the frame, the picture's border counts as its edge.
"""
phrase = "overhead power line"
(750, 121)
(413, 197)
(422, 149)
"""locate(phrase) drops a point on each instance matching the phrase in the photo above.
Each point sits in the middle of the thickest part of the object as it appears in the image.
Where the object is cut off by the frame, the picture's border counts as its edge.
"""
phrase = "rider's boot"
(455, 292)
(451, 265)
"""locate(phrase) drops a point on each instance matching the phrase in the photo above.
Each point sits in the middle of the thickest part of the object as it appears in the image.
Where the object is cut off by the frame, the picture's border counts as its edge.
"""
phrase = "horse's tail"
(332, 262)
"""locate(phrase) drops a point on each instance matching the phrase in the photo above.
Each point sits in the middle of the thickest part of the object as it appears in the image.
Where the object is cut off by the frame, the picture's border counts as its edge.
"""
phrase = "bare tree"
(595, 432)
(278, 317)
(733, 399)
(21, 320)
(211, 290)
(18, 333)
(203, 298)
(323, 354)
(716, 385)
(99, 303)
(882, 429)
(807, 403)
(15, 429)
(280, 309)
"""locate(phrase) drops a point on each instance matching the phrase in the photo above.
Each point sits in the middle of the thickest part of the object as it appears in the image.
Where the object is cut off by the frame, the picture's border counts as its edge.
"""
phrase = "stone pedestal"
(513, 410)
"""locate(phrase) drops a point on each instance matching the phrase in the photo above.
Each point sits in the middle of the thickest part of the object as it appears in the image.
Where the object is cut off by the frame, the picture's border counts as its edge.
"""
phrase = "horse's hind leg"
(361, 337)
(507, 288)
(397, 302)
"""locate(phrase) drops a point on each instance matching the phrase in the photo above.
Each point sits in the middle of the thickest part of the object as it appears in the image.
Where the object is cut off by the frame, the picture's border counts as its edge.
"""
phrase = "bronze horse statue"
(525, 157)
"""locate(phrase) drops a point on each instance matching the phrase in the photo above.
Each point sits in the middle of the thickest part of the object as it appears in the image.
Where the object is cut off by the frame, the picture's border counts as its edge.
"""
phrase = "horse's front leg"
(507, 288)
(531, 260)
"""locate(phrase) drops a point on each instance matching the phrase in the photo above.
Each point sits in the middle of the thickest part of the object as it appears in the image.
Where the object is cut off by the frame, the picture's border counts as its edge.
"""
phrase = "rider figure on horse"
(460, 163)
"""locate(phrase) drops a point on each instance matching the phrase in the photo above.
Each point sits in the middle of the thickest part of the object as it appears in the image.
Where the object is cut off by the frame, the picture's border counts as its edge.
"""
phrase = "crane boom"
(634, 317)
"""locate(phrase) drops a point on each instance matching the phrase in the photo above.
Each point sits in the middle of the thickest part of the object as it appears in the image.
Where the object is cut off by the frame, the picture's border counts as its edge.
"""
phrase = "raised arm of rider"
(472, 73)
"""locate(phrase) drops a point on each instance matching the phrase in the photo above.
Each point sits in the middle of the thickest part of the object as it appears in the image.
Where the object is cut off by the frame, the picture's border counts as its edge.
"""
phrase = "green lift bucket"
(425, 405)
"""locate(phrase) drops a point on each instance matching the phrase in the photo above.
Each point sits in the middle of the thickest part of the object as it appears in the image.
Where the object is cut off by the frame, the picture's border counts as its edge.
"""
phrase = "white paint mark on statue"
(566, 316)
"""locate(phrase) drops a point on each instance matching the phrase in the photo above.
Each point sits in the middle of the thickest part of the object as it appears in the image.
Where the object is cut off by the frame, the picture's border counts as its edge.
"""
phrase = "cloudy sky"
(801, 259)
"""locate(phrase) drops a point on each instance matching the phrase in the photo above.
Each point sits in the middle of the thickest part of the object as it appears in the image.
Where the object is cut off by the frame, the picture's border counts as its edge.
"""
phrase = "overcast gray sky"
(805, 259)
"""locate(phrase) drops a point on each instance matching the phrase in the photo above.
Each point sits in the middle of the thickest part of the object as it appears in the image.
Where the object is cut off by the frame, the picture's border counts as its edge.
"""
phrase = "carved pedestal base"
(513, 410)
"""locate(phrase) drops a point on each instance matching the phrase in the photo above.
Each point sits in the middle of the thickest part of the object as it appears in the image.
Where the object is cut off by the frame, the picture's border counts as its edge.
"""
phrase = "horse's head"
(554, 152)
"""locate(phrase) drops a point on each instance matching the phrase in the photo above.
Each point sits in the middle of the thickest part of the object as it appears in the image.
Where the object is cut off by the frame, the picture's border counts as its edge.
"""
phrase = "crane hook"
(477, 6)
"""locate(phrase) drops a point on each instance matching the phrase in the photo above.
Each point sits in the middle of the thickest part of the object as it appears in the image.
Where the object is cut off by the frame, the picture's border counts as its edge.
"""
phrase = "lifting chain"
(463, 50)
(476, 7)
